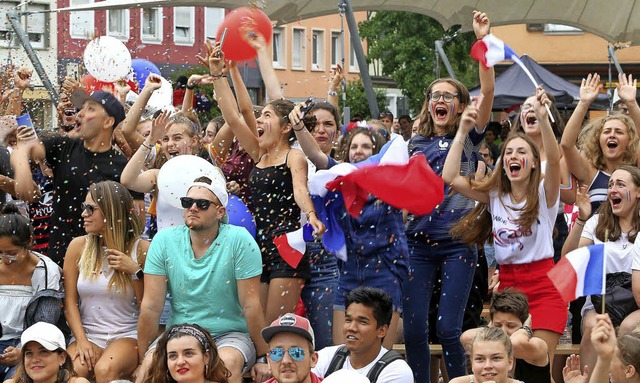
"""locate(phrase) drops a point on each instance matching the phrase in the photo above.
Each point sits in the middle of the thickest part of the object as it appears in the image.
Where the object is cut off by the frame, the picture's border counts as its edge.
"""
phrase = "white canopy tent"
(617, 21)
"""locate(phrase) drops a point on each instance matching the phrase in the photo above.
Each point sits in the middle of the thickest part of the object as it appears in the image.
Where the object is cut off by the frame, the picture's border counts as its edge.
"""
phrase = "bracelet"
(332, 93)
(579, 223)
(309, 213)
(297, 130)
(146, 146)
(218, 75)
(528, 330)
(191, 87)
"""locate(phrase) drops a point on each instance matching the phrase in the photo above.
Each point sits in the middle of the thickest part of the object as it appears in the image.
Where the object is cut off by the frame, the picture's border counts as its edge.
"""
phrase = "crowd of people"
(103, 277)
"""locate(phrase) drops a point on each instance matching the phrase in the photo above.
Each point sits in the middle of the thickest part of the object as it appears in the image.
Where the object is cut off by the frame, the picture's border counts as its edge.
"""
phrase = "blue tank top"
(598, 190)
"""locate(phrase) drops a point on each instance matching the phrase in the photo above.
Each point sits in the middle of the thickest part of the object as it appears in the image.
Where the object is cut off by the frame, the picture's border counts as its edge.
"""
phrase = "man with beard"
(212, 271)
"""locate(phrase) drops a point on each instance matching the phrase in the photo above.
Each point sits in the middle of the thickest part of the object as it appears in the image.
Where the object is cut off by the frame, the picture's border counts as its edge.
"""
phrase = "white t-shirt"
(511, 244)
(396, 372)
(619, 254)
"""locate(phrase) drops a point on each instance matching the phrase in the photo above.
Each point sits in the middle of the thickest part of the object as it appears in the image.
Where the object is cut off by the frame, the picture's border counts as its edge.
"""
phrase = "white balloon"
(178, 173)
(162, 97)
(107, 59)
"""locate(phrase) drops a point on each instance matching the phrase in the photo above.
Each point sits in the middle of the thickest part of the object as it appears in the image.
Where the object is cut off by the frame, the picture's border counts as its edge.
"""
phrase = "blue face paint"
(628, 196)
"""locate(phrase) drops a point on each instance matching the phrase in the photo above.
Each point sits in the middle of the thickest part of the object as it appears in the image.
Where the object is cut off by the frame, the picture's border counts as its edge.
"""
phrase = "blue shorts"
(382, 270)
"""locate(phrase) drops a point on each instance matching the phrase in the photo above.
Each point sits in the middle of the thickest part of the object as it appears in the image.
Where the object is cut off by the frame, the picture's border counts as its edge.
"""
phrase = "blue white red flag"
(490, 50)
(292, 246)
(390, 176)
(580, 273)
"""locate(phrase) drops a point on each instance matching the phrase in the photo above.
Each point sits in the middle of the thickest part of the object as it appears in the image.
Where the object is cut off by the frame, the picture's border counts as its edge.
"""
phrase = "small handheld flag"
(580, 273)
(490, 50)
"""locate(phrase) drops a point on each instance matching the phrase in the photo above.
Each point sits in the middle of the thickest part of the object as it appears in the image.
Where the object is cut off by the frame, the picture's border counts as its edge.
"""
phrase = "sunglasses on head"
(202, 204)
(88, 208)
(277, 353)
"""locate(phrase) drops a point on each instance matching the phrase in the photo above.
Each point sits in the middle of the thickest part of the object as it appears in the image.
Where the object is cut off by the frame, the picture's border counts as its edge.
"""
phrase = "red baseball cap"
(289, 323)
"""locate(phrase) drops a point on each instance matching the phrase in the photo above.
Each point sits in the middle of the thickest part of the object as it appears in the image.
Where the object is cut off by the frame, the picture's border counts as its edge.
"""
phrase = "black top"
(74, 169)
(528, 373)
(276, 211)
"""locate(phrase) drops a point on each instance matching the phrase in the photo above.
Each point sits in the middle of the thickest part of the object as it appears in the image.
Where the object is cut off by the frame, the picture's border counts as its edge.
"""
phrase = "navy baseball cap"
(110, 104)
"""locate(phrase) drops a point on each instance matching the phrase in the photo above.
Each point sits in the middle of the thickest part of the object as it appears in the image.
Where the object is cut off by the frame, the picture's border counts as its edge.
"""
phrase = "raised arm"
(334, 86)
(132, 176)
(21, 80)
(265, 62)
(214, 60)
(481, 27)
(451, 171)
(574, 239)
(29, 148)
(129, 132)
(627, 91)
(305, 138)
(603, 338)
(576, 162)
(244, 100)
(552, 170)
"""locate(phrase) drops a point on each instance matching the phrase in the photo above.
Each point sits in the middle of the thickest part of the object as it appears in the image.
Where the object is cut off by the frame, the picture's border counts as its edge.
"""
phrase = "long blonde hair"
(123, 226)
(476, 226)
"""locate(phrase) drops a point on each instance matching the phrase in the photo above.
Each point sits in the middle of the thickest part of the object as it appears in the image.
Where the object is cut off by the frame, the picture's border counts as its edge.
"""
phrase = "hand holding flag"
(490, 50)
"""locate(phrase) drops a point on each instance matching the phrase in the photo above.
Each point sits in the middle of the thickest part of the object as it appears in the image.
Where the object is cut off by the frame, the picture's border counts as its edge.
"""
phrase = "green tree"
(357, 99)
(404, 43)
(204, 117)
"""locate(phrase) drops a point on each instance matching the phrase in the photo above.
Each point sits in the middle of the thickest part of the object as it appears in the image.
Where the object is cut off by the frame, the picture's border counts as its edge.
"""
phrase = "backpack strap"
(337, 361)
(46, 274)
(389, 357)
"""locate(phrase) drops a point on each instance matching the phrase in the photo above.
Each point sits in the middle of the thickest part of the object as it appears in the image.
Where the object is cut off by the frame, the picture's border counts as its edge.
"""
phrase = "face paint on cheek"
(452, 107)
(628, 196)
(331, 135)
(432, 108)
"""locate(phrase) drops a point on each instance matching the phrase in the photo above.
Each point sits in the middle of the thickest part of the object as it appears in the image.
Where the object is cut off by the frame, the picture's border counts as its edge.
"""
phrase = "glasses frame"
(446, 96)
(89, 208)
(296, 353)
(201, 203)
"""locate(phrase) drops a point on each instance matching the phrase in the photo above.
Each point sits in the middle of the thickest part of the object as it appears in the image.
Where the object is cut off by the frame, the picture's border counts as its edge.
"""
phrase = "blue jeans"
(318, 294)
(7, 372)
(457, 262)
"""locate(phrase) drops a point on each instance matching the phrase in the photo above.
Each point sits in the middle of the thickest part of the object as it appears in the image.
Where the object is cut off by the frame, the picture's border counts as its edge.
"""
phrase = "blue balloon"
(239, 214)
(142, 69)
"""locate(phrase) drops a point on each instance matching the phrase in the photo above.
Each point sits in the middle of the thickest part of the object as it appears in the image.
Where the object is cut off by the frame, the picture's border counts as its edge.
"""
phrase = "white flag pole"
(516, 60)
(604, 267)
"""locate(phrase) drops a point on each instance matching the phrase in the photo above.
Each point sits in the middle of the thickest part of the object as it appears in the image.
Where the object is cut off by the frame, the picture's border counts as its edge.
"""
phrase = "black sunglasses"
(202, 204)
(88, 208)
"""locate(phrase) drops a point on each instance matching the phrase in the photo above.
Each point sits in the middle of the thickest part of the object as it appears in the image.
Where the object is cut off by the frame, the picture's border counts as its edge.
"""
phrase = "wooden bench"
(436, 349)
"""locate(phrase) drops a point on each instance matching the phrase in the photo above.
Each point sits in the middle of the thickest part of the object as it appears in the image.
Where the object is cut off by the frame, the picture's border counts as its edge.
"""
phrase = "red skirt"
(548, 310)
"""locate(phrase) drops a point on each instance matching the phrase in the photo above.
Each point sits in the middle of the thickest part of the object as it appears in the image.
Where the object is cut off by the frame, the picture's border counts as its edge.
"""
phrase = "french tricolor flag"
(292, 246)
(580, 273)
(490, 50)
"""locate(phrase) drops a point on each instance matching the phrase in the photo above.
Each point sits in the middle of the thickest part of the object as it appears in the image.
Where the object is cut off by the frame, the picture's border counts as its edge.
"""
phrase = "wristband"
(309, 213)
(191, 87)
(146, 146)
(297, 130)
(528, 330)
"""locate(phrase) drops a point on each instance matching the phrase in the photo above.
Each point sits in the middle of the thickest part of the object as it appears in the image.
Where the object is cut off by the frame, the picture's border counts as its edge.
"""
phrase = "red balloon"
(91, 84)
(235, 47)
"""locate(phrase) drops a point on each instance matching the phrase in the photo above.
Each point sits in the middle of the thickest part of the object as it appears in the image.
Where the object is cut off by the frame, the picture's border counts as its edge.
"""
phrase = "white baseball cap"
(48, 335)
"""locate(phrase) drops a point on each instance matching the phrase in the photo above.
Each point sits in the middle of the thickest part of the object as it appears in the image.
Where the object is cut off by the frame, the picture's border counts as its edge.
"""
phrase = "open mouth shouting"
(514, 168)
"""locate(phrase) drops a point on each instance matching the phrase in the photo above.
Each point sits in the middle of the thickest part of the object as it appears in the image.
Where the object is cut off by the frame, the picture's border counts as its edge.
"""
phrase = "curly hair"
(609, 222)
(590, 142)
(475, 228)
(215, 370)
(426, 126)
